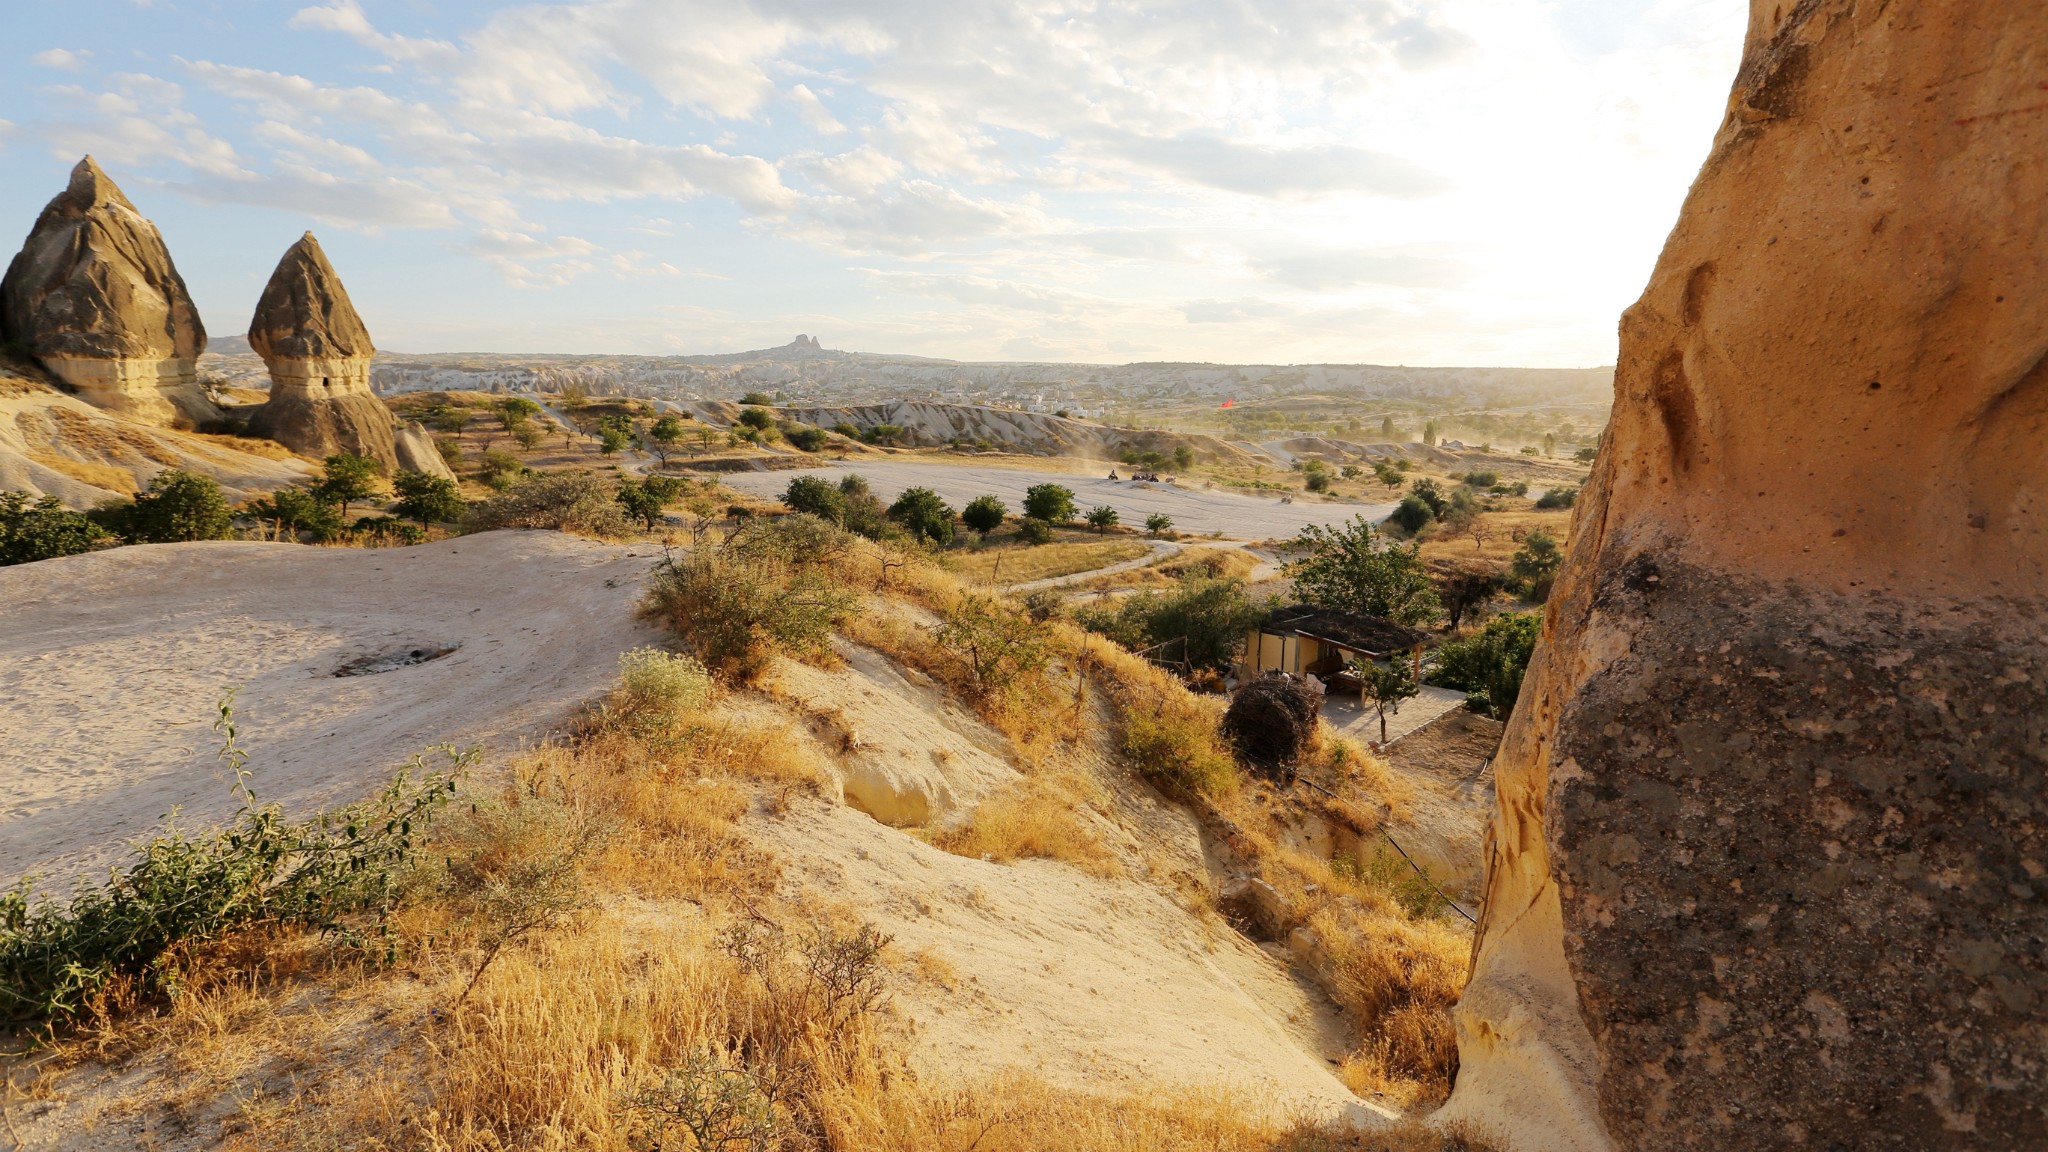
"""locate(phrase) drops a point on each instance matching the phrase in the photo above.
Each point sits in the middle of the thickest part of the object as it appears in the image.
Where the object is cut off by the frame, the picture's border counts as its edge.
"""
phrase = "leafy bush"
(998, 643)
(816, 496)
(846, 430)
(861, 510)
(500, 470)
(883, 434)
(646, 499)
(1491, 664)
(292, 510)
(771, 584)
(347, 478)
(1159, 524)
(925, 515)
(1034, 531)
(1102, 517)
(759, 419)
(1535, 565)
(984, 514)
(1183, 457)
(1344, 569)
(1202, 621)
(757, 398)
(1585, 455)
(42, 530)
(806, 438)
(1052, 503)
(178, 506)
(340, 872)
(1412, 514)
(1481, 479)
(1425, 490)
(427, 498)
(661, 685)
(577, 502)
(1558, 498)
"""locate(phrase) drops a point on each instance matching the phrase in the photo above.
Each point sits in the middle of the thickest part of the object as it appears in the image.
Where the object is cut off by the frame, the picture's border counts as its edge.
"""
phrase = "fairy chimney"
(94, 296)
(318, 353)
(1770, 862)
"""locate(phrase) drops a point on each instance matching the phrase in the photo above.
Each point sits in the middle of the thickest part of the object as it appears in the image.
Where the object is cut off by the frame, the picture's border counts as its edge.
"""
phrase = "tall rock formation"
(319, 353)
(94, 296)
(1770, 865)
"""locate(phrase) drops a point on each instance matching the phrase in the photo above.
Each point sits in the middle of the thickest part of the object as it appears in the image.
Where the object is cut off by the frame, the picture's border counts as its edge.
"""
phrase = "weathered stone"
(1770, 863)
(416, 450)
(94, 296)
(318, 353)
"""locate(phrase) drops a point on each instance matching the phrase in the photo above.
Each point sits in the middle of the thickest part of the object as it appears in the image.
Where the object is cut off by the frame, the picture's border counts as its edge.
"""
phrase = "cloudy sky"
(1387, 181)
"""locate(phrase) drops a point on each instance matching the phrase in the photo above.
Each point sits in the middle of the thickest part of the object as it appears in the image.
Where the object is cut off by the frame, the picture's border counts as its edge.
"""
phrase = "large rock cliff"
(93, 295)
(1770, 865)
(318, 353)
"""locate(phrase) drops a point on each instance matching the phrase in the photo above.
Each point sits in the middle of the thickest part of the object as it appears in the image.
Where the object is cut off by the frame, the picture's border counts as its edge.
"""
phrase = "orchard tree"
(664, 435)
(818, 497)
(984, 514)
(178, 507)
(1102, 517)
(924, 515)
(1343, 568)
(1052, 503)
(347, 478)
(1385, 686)
(646, 499)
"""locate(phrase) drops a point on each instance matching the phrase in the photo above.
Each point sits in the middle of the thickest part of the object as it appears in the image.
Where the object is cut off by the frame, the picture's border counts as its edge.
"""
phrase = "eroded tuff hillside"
(1768, 868)
(1071, 951)
(1033, 432)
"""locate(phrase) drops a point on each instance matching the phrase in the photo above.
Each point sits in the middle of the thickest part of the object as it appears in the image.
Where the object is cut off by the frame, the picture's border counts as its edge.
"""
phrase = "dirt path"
(1161, 549)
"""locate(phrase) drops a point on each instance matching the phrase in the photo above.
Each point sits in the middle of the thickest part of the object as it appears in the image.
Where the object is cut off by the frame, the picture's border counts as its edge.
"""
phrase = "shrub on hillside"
(1052, 503)
(427, 498)
(1411, 515)
(984, 514)
(43, 529)
(578, 502)
(772, 584)
(1201, 621)
(178, 507)
(924, 515)
(1034, 531)
(816, 496)
(292, 510)
(1535, 565)
(1481, 479)
(1272, 721)
(1490, 665)
(1558, 498)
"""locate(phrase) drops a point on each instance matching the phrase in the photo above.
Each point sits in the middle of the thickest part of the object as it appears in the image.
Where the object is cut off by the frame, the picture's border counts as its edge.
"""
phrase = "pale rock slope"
(1770, 867)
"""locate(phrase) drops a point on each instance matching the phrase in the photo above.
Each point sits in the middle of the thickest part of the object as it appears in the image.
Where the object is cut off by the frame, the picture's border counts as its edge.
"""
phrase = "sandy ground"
(1193, 510)
(111, 664)
(1361, 721)
(1448, 764)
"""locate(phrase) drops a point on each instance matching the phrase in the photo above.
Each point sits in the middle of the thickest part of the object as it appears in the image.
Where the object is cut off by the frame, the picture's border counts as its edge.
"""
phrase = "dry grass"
(1040, 816)
(1501, 545)
(268, 449)
(1019, 563)
(1206, 562)
(107, 476)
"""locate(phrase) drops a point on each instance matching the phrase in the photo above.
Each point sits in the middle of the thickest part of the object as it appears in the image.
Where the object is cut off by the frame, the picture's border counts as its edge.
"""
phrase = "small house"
(1303, 639)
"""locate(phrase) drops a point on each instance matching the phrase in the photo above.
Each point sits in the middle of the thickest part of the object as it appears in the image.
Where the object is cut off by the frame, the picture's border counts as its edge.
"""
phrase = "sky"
(1451, 182)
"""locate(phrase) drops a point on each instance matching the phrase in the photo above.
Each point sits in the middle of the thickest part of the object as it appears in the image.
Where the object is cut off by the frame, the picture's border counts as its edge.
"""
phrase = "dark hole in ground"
(394, 660)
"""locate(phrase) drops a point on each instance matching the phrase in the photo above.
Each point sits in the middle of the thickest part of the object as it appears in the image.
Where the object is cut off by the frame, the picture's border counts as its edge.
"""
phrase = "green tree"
(1425, 490)
(292, 510)
(817, 496)
(1465, 588)
(1052, 503)
(1429, 433)
(1534, 567)
(42, 530)
(427, 498)
(614, 432)
(347, 478)
(1550, 443)
(806, 438)
(646, 499)
(1202, 620)
(1585, 455)
(1385, 685)
(1315, 476)
(759, 419)
(1159, 524)
(863, 515)
(514, 411)
(1558, 498)
(499, 469)
(999, 643)
(984, 514)
(1481, 479)
(1412, 514)
(1490, 665)
(1343, 568)
(1183, 457)
(1034, 531)
(530, 436)
(663, 436)
(924, 515)
(1102, 517)
(178, 506)
(757, 398)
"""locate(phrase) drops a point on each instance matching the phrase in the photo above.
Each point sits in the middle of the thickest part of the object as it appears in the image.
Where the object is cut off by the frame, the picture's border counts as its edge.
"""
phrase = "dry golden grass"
(1503, 527)
(268, 449)
(1006, 564)
(105, 476)
(1039, 816)
(1210, 563)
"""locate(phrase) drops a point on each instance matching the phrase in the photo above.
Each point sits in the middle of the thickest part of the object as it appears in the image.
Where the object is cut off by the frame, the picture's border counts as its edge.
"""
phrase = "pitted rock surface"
(305, 313)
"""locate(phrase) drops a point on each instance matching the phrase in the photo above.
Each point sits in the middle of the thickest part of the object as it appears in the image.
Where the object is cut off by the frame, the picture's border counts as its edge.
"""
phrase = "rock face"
(1770, 862)
(94, 296)
(416, 450)
(318, 353)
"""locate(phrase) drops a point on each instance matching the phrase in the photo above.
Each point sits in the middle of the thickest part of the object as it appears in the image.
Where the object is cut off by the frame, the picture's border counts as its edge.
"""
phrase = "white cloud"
(63, 58)
(347, 17)
(813, 112)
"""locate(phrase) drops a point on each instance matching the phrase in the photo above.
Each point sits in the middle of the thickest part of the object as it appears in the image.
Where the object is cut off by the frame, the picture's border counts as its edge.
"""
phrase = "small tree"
(759, 419)
(347, 478)
(292, 510)
(515, 411)
(1490, 666)
(1315, 476)
(817, 496)
(1386, 427)
(42, 530)
(663, 436)
(645, 500)
(530, 436)
(1534, 567)
(614, 432)
(1386, 685)
(427, 498)
(1102, 517)
(1412, 515)
(761, 398)
(1052, 503)
(179, 506)
(1429, 433)
(1034, 531)
(1425, 490)
(998, 642)
(1183, 457)
(984, 514)
(1550, 443)
(1159, 524)
(924, 515)
(1343, 568)
(1463, 589)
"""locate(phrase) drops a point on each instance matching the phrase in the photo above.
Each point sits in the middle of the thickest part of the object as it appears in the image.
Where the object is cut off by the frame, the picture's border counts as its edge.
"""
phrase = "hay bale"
(1272, 719)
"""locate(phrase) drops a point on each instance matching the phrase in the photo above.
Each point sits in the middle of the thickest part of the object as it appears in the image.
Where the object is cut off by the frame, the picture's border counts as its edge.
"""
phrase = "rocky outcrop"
(318, 354)
(1770, 864)
(416, 451)
(93, 295)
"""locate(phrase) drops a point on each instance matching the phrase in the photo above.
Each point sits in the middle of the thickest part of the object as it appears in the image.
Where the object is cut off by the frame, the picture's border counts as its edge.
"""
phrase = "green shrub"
(1052, 503)
(1201, 621)
(293, 509)
(427, 498)
(1179, 752)
(1481, 479)
(1034, 531)
(924, 515)
(661, 685)
(1102, 517)
(347, 478)
(647, 498)
(806, 438)
(1343, 568)
(757, 398)
(816, 496)
(1425, 490)
(178, 506)
(984, 514)
(1558, 498)
(1535, 565)
(846, 430)
(759, 419)
(340, 872)
(1411, 515)
(772, 584)
(861, 511)
(1490, 665)
(566, 501)
(500, 470)
(42, 530)
(1159, 524)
